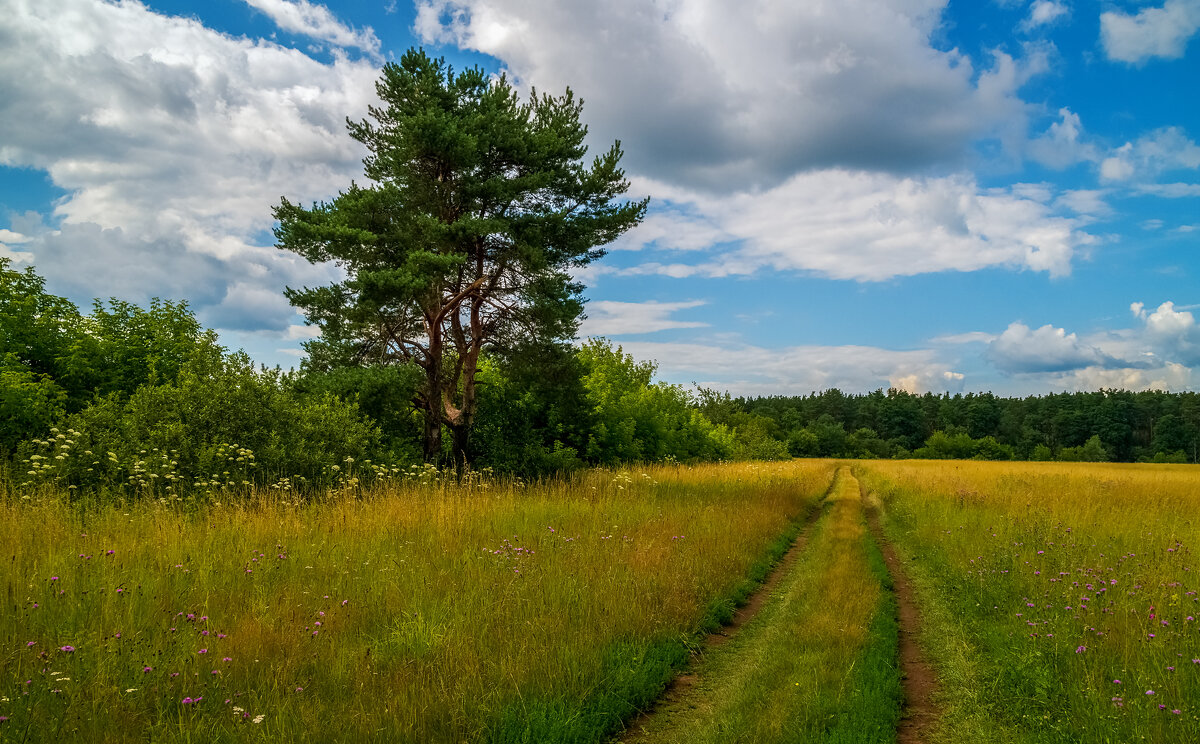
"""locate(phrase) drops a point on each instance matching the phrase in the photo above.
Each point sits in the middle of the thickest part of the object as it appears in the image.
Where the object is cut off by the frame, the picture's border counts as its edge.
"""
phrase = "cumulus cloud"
(797, 370)
(607, 318)
(873, 226)
(1062, 145)
(1043, 13)
(673, 227)
(1172, 333)
(1046, 349)
(1162, 31)
(731, 96)
(9, 240)
(1171, 376)
(172, 141)
(1163, 150)
(1088, 203)
(970, 337)
(242, 292)
(315, 21)
(1159, 352)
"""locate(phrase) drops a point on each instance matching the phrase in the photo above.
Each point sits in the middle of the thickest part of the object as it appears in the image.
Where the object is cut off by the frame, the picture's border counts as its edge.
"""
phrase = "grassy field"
(1060, 601)
(1059, 604)
(416, 611)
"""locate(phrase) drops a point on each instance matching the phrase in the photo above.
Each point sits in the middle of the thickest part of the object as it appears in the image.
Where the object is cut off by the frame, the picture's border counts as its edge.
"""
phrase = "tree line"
(1106, 425)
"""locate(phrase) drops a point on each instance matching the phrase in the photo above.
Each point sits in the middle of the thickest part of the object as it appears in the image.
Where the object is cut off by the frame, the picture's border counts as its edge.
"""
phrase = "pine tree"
(478, 207)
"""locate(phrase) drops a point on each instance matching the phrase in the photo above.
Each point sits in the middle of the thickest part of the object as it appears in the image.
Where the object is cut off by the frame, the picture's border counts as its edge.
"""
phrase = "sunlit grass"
(1044, 584)
(419, 612)
(790, 674)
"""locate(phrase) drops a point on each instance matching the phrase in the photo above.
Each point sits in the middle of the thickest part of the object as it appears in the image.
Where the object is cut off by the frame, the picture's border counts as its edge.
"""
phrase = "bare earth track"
(916, 676)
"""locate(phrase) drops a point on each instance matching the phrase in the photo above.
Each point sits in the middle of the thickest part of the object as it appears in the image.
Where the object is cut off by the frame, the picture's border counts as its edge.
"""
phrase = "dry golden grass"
(419, 612)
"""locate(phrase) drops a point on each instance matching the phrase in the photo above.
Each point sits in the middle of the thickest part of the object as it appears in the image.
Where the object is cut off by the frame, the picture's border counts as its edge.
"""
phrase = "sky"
(954, 196)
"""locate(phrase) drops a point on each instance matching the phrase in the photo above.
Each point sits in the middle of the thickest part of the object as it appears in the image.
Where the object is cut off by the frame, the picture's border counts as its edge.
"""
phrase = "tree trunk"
(433, 395)
(433, 434)
(461, 435)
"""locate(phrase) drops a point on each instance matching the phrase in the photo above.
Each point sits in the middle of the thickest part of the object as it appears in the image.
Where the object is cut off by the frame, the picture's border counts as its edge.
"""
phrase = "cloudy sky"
(968, 195)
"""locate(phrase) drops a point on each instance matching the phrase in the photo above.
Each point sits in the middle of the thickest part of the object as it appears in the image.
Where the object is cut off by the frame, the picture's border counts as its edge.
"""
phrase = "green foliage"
(381, 393)
(121, 346)
(220, 425)
(960, 446)
(755, 437)
(535, 417)
(1092, 451)
(637, 419)
(479, 207)
(29, 402)
(37, 329)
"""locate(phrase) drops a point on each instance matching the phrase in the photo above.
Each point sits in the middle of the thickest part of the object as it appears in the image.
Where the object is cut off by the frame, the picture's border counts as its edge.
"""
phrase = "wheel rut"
(707, 701)
(917, 678)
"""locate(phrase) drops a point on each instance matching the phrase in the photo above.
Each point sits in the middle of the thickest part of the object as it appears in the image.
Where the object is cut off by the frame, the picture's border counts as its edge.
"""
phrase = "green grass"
(498, 613)
(873, 707)
(798, 671)
(1002, 557)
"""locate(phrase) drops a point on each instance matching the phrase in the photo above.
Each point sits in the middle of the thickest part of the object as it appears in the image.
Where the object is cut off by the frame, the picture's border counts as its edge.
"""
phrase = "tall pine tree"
(478, 207)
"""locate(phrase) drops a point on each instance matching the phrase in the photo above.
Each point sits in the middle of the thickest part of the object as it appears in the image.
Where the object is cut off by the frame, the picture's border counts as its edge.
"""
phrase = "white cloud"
(1160, 352)
(1047, 349)
(797, 370)
(1061, 146)
(874, 226)
(607, 318)
(1169, 190)
(730, 96)
(1044, 12)
(1086, 202)
(1173, 333)
(1151, 32)
(1166, 149)
(315, 21)
(302, 332)
(1171, 376)
(970, 337)
(8, 239)
(173, 142)
(673, 229)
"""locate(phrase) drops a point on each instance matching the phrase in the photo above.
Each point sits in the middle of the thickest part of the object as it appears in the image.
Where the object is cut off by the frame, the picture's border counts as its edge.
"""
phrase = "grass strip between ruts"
(874, 705)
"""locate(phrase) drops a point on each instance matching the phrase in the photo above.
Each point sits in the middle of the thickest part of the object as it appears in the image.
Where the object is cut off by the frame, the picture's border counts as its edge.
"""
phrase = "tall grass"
(407, 612)
(1060, 600)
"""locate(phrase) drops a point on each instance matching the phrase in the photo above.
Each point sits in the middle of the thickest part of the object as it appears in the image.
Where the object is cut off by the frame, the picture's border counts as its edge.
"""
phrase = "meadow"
(1058, 604)
(416, 610)
(1059, 601)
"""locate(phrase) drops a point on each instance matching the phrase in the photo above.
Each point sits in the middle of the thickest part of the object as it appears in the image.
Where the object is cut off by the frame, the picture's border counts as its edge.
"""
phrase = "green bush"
(221, 425)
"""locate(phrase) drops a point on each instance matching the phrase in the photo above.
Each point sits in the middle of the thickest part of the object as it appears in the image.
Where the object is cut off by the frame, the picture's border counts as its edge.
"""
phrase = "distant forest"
(1109, 425)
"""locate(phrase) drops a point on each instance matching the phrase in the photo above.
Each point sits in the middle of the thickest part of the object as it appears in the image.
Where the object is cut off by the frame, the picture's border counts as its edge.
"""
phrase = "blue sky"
(991, 195)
